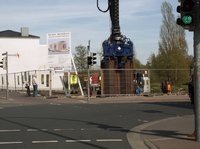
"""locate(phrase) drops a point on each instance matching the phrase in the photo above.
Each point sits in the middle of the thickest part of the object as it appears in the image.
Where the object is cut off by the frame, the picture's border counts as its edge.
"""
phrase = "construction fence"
(44, 78)
(103, 82)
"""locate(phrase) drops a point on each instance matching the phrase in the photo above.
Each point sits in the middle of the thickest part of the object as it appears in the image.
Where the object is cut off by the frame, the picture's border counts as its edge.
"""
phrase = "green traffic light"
(187, 19)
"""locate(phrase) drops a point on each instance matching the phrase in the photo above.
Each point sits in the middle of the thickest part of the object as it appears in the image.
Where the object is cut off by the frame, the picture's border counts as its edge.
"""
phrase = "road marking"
(72, 141)
(64, 129)
(109, 140)
(144, 121)
(32, 130)
(11, 130)
(17, 142)
(49, 141)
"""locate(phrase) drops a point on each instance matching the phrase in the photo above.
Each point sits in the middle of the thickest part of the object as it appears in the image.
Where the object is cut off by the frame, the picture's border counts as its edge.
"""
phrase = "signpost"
(197, 71)
(5, 67)
(88, 87)
(190, 19)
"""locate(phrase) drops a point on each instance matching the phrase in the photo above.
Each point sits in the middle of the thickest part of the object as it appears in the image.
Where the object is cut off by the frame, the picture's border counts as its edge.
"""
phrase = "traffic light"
(4, 63)
(89, 60)
(187, 14)
(1, 64)
(92, 59)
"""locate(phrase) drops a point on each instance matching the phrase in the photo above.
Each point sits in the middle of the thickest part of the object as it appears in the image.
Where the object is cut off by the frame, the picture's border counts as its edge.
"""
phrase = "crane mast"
(114, 16)
(118, 55)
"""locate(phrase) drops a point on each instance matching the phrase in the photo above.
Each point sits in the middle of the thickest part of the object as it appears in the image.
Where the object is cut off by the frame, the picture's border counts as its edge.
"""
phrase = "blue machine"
(118, 53)
(117, 47)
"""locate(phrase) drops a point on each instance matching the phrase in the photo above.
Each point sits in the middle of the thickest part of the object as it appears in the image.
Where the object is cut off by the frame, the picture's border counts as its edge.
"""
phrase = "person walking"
(169, 88)
(191, 95)
(35, 86)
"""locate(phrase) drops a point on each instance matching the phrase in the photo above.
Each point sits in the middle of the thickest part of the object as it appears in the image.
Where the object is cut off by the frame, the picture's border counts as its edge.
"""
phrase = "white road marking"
(55, 141)
(64, 129)
(10, 130)
(32, 130)
(144, 121)
(49, 141)
(17, 142)
(72, 141)
(109, 140)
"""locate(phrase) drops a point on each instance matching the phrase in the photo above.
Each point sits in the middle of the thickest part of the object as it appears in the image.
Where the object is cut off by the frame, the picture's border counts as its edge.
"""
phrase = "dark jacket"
(191, 91)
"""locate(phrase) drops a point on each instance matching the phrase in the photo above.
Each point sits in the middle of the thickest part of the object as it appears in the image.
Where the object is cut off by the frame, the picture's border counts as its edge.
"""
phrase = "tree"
(137, 63)
(173, 51)
(80, 57)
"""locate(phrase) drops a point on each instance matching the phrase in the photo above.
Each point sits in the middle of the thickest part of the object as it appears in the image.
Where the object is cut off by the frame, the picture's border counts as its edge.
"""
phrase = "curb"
(135, 135)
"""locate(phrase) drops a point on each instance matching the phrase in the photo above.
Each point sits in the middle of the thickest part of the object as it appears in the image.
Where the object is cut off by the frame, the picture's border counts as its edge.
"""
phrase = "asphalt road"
(79, 126)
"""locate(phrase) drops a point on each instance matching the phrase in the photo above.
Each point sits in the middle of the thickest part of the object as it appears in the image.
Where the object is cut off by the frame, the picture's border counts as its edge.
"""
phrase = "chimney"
(24, 32)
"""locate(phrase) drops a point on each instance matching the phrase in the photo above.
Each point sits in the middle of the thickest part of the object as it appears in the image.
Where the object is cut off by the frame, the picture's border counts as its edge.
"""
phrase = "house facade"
(26, 57)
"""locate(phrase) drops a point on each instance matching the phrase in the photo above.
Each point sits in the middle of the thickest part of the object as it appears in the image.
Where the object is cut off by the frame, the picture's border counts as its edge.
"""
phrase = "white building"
(32, 58)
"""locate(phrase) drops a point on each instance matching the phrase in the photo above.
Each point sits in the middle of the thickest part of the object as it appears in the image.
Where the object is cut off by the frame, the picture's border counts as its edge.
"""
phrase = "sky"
(140, 20)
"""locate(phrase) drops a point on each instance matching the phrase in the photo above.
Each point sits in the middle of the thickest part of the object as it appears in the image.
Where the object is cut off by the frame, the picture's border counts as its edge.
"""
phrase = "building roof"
(14, 34)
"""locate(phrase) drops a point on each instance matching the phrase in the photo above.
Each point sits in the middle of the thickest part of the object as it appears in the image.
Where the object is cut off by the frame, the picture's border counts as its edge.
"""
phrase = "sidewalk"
(170, 133)
(20, 98)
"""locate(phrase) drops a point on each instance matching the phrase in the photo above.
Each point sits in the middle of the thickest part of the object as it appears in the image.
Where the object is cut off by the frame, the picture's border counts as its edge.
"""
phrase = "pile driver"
(118, 53)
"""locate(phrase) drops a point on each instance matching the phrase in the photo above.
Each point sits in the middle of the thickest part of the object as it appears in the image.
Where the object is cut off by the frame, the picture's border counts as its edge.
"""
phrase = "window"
(64, 46)
(25, 76)
(42, 79)
(29, 78)
(18, 82)
(2, 80)
(22, 79)
(47, 80)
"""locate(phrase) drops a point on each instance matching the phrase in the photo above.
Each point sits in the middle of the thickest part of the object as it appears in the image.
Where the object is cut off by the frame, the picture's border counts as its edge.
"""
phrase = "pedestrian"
(27, 86)
(191, 95)
(134, 86)
(169, 88)
(91, 89)
(163, 87)
(35, 86)
(138, 90)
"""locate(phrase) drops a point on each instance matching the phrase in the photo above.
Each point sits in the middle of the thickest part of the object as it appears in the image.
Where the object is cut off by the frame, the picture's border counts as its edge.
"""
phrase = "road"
(79, 126)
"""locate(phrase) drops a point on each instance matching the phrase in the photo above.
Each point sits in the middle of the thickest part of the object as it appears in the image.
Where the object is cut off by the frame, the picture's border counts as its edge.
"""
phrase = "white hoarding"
(59, 50)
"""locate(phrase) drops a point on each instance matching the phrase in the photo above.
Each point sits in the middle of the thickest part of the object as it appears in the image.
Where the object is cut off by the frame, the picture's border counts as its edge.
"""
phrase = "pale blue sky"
(140, 20)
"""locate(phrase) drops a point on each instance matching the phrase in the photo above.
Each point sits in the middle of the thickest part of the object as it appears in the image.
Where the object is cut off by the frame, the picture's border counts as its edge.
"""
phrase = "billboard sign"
(59, 50)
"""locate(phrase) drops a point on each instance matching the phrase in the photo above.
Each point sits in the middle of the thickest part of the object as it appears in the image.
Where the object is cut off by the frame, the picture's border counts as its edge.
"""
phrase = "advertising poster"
(59, 50)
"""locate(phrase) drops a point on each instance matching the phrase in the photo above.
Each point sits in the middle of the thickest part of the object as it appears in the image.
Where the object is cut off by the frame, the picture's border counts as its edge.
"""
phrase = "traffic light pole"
(197, 71)
(6, 61)
(88, 86)
(7, 76)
